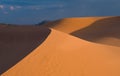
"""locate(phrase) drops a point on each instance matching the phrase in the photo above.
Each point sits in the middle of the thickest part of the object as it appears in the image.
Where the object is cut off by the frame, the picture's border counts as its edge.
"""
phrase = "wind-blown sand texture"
(39, 51)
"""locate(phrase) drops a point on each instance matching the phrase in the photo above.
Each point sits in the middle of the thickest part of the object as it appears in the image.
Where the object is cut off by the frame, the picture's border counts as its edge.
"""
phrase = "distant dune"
(87, 46)
(105, 30)
(69, 25)
(64, 55)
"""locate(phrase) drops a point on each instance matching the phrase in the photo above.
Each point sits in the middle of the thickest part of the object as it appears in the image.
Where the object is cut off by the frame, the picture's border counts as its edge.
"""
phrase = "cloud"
(30, 4)
(31, 7)
(39, 7)
(12, 8)
(1, 6)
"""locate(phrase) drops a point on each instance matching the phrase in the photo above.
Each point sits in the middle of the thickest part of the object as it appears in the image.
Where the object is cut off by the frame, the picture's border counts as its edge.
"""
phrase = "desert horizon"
(59, 38)
(82, 46)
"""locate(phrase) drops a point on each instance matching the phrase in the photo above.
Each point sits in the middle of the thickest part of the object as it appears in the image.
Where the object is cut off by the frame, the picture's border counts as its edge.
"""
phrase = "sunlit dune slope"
(69, 25)
(105, 30)
(65, 55)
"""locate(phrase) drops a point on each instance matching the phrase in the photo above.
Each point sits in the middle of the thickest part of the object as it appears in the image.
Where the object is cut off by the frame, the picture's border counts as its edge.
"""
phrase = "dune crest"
(64, 55)
(16, 42)
(104, 30)
(69, 25)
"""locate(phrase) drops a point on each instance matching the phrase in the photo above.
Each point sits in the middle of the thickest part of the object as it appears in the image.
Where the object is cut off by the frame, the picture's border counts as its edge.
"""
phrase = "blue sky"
(35, 11)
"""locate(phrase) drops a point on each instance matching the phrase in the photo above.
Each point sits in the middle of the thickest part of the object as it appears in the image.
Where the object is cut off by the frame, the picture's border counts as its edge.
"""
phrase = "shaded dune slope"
(64, 55)
(17, 42)
(103, 30)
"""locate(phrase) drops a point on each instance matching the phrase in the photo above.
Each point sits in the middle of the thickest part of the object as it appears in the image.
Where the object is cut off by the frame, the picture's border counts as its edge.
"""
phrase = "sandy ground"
(64, 55)
(87, 46)
(17, 42)
(104, 30)
(69, 25)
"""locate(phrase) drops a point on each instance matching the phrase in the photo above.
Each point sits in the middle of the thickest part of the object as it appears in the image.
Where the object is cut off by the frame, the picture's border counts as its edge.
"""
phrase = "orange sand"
(69, 25)
(64, 55)
(104, 30)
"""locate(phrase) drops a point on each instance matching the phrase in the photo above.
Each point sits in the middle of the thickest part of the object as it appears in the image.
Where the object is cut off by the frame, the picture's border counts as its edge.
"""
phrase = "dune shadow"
(105, 31)
(17, 42)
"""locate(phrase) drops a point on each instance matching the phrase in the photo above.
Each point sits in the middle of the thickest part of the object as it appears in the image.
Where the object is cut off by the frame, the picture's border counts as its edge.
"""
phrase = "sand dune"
(69, 25)
(104, 30)
(39, 51)
(17, 42)
(64, 55)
